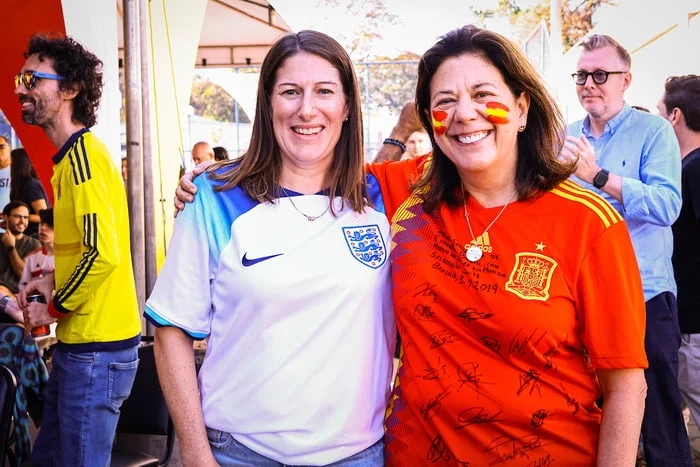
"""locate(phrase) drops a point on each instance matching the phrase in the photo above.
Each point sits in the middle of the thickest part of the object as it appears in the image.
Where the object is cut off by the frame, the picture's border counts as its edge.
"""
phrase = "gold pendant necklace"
(474, 252)
(308, 217)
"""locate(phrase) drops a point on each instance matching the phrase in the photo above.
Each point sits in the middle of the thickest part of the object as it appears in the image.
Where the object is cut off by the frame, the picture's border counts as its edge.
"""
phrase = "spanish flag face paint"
(439, 117)
(497, 113)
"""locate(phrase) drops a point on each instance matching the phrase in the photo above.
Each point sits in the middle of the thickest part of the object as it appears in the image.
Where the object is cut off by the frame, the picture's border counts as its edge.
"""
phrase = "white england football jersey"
(298, 316)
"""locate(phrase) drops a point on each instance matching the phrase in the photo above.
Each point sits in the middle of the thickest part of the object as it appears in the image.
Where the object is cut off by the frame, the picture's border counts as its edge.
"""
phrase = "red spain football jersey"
(498, 355)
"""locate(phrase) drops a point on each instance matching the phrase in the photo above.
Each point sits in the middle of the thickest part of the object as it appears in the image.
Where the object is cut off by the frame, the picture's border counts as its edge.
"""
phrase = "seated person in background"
(220, 153)
(416, 145)
(15, 246)
(39, 263)
(25, 186)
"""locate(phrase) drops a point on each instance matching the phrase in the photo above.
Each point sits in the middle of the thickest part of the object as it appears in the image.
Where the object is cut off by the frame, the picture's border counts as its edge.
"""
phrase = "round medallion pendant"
(474, 253)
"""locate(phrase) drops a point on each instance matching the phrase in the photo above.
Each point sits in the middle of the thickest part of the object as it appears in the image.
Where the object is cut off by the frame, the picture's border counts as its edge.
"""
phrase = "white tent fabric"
(184, 33)
(99, 35)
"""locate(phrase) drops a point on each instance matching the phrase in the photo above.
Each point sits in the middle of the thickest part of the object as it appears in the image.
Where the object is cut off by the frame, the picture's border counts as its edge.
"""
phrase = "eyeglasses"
(19, 216)
(599, 76)
(28, 78)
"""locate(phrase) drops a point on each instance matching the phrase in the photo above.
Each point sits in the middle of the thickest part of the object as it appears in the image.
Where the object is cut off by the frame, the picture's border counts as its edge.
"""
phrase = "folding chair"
(144, 413)
(8, 387)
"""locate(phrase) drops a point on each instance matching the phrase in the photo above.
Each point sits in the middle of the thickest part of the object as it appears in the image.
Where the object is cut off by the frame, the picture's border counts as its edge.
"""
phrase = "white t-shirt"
(298, 316)
(4, 187)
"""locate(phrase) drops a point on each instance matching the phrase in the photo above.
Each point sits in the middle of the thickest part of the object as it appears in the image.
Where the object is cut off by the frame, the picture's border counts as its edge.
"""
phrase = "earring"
(346, 119)
(521, 128)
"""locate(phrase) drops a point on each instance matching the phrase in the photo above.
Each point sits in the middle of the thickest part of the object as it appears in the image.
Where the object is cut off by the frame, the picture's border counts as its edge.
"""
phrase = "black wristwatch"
(601, 178)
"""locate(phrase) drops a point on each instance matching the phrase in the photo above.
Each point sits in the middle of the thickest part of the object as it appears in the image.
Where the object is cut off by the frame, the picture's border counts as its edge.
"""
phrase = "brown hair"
(258, 170)
(598, 41)
(538, 168)
(683, 92)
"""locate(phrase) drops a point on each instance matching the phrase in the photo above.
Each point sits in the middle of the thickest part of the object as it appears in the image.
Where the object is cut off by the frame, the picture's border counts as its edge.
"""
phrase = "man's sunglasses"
(28, 78)
(599, 76)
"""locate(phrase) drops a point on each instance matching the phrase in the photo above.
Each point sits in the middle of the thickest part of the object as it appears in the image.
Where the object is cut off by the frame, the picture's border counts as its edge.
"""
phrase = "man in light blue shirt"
(632, 159)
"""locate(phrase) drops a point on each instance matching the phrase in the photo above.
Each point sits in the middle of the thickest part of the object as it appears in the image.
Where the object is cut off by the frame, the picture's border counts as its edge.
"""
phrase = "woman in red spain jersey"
(516, 293)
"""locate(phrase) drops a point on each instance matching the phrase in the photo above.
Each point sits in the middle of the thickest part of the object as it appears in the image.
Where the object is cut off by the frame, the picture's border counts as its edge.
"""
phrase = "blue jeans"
(81, 408)
(229, 452)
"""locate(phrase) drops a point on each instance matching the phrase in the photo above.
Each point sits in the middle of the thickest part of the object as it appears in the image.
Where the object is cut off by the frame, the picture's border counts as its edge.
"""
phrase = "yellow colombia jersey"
(95, 293)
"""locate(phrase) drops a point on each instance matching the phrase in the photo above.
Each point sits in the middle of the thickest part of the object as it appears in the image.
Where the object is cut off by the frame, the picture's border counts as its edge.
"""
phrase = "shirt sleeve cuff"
(56, 310)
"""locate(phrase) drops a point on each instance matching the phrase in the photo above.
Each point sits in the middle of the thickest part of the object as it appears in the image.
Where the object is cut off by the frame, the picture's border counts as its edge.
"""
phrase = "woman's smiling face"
(308, 109)
(475, 115)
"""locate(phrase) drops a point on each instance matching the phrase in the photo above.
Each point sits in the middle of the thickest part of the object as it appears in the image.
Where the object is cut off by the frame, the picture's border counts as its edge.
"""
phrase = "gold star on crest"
(540, 246)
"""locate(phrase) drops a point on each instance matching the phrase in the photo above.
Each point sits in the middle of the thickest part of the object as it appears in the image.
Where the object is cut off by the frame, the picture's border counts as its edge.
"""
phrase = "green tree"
(209, 100)
(365, 21)
(577, 17)
(391, 85)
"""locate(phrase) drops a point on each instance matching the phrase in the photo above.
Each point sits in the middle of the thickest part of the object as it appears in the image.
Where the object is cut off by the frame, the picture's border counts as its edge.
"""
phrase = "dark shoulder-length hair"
(258, 170)
(538, 168)
(21, 170)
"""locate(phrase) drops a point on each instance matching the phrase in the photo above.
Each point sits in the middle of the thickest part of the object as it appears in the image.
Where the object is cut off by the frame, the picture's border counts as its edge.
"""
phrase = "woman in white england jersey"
(281, 263)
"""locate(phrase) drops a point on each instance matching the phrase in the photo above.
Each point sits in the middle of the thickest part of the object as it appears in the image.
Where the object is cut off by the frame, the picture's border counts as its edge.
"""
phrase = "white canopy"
(233, 32)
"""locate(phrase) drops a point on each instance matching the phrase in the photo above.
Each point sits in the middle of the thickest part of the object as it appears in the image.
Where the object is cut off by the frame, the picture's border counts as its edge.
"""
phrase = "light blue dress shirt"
(642, 148)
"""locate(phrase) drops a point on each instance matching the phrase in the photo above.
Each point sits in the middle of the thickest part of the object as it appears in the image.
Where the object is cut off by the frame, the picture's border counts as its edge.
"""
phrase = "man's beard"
(37, 114)
(29, 117)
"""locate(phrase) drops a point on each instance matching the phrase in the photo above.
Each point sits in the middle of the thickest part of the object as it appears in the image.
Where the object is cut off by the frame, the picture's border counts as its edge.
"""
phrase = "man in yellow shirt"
(59, 88)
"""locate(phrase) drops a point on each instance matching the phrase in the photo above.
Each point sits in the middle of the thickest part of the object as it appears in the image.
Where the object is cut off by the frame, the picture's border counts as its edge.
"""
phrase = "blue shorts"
(229, 452)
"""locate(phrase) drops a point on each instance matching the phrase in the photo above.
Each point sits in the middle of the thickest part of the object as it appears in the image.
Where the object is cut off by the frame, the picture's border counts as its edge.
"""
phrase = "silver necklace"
(474, 252)
(308, 218)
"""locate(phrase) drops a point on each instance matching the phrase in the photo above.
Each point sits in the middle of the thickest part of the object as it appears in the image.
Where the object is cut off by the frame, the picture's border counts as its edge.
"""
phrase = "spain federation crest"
(531, 276)
(366, 245)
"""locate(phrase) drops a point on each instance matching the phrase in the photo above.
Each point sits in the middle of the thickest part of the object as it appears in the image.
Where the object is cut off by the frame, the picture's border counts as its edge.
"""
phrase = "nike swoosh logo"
(249, 262)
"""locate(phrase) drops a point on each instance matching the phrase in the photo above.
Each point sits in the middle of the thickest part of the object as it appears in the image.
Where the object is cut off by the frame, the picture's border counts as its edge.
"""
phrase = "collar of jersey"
(68, 144)
(291, 193)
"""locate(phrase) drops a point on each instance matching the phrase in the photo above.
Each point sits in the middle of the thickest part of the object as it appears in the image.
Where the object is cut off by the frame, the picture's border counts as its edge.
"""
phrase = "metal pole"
(149, 200)
(132, 80)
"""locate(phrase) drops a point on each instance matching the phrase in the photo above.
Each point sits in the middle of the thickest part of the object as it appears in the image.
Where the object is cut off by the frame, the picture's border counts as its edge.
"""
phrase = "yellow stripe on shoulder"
(401, 214)
(575, 192)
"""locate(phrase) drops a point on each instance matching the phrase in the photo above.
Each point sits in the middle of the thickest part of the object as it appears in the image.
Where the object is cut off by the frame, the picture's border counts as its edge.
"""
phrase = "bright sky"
(425, 21)
(422, 22)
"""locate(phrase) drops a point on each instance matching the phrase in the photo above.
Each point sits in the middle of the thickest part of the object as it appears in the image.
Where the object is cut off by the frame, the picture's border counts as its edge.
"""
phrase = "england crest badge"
(366, 245)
